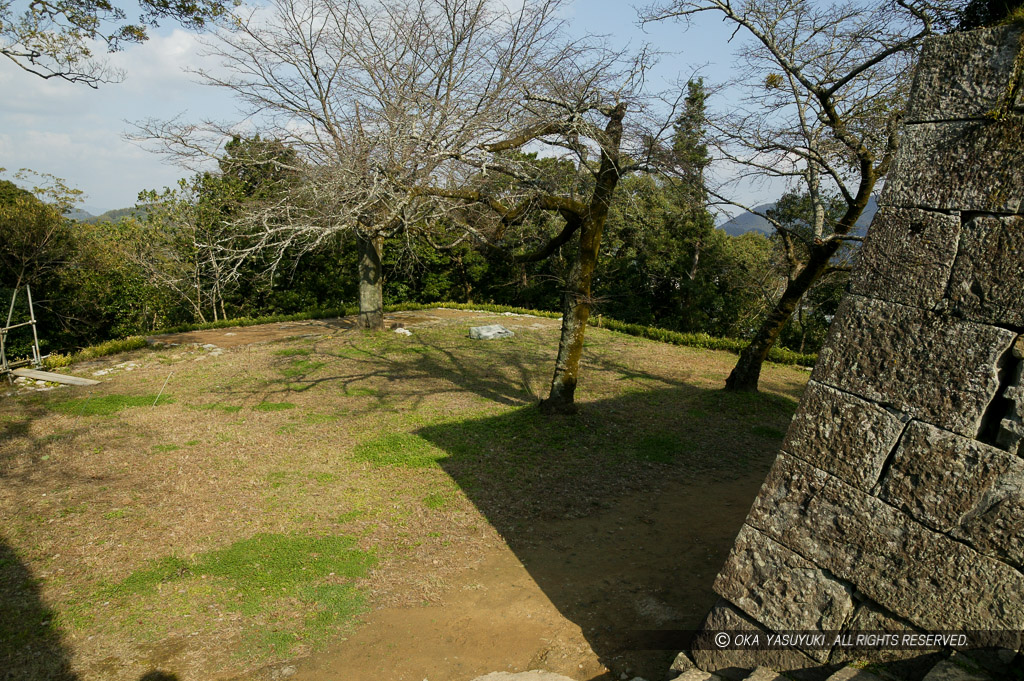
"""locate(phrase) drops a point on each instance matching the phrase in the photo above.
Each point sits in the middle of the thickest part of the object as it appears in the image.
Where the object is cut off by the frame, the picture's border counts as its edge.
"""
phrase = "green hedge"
(693, 340)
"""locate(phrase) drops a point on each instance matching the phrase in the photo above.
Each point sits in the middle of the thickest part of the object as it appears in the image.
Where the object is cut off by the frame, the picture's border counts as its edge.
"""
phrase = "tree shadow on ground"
(622, 514)
(31, 645)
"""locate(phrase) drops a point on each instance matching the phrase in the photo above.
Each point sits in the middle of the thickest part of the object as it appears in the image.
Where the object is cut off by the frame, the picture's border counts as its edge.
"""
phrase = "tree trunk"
(371, 282)
(747, 371)
(575, 313)
(577, 301)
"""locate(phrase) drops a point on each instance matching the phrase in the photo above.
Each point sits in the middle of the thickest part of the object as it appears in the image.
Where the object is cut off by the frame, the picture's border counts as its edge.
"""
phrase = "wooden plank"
(55, 378)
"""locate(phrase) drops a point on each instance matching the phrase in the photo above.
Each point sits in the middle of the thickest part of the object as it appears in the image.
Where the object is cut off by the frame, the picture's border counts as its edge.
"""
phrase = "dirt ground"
(574, 598)
(590, 561)
(579, 596)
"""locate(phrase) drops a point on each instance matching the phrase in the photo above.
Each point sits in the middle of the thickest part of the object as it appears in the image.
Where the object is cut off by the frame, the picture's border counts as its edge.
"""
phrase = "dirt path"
(569, 596)
(574, 596)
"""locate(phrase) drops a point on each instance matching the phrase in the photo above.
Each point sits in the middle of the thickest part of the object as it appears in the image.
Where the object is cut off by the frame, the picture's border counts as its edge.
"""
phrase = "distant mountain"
(751, 222)
(117, 215)
(79, 215)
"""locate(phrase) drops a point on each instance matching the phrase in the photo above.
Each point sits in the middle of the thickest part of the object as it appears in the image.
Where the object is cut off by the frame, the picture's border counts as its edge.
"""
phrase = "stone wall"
(897, 501)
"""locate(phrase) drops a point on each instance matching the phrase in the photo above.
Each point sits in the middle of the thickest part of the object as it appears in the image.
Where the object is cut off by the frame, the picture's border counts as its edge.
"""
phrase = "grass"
(777, 354)
(104, 349)
(302, 368)
(398, 449)
(274, 406)
(268, 577)
(411, 456)
(106, 405)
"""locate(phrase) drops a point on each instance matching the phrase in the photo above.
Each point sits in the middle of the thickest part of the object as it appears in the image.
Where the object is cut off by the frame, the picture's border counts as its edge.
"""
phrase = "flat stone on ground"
(535, 675)
(489, 332)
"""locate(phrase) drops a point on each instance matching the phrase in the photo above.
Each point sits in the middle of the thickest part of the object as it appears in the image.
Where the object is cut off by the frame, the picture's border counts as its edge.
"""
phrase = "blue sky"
(77, 133)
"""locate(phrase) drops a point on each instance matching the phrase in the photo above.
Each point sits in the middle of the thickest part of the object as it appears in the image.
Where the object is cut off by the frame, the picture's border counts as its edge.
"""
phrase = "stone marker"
(535, 675)
(489, 332)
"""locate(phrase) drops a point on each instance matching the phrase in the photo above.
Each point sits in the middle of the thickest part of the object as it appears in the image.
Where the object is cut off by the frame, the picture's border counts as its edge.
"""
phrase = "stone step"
(697, 675)
(849, 673)
(956, 667)
(764, 674)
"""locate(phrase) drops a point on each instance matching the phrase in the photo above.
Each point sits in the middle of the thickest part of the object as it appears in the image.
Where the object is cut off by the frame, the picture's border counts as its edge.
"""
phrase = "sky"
(79, 134)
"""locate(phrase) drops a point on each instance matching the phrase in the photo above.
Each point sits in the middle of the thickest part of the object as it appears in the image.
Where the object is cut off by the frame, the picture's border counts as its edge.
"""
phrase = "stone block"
(931, 367)
(987, 282)
(907, 257)
(964, 75)
(735, 664)
(962, 166)
(917, 574)
(842, 434)
(960, 487)
(781, 590)
(854, 674)
(868, 617)
(955, 670)
(764, 674)
(490, 332)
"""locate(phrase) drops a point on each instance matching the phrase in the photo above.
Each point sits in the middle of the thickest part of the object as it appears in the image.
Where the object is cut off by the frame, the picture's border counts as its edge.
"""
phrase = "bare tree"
(377, 98)
(826, 86)
(578, 114)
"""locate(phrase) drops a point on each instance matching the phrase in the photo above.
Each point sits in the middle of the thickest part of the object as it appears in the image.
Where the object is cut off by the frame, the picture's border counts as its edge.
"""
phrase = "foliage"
(55, 38)
(978, 13)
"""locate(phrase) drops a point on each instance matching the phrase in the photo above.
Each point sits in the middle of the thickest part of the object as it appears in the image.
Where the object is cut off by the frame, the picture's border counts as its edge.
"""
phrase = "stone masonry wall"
(897, 501)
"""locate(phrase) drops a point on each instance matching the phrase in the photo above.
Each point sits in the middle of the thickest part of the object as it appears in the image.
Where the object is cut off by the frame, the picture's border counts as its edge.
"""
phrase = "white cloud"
(78, 133)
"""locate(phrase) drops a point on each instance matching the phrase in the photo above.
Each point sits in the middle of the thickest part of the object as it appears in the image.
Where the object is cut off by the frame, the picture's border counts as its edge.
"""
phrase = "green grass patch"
(110, 347)
(73, 510)
(360, 392)
(398, 449)
(116, 514)
(349, 516)
(324, 478)
(302, 367)
(160, 449)
(293, 352)
(296, 587)
(277, 479)
(436, 500)
(274, 406)
(105, 405)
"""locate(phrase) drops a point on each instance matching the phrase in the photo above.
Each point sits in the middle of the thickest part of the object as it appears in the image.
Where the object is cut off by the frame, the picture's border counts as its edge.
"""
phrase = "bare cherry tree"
(376, 98)
(592, 114)
(826, 86)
